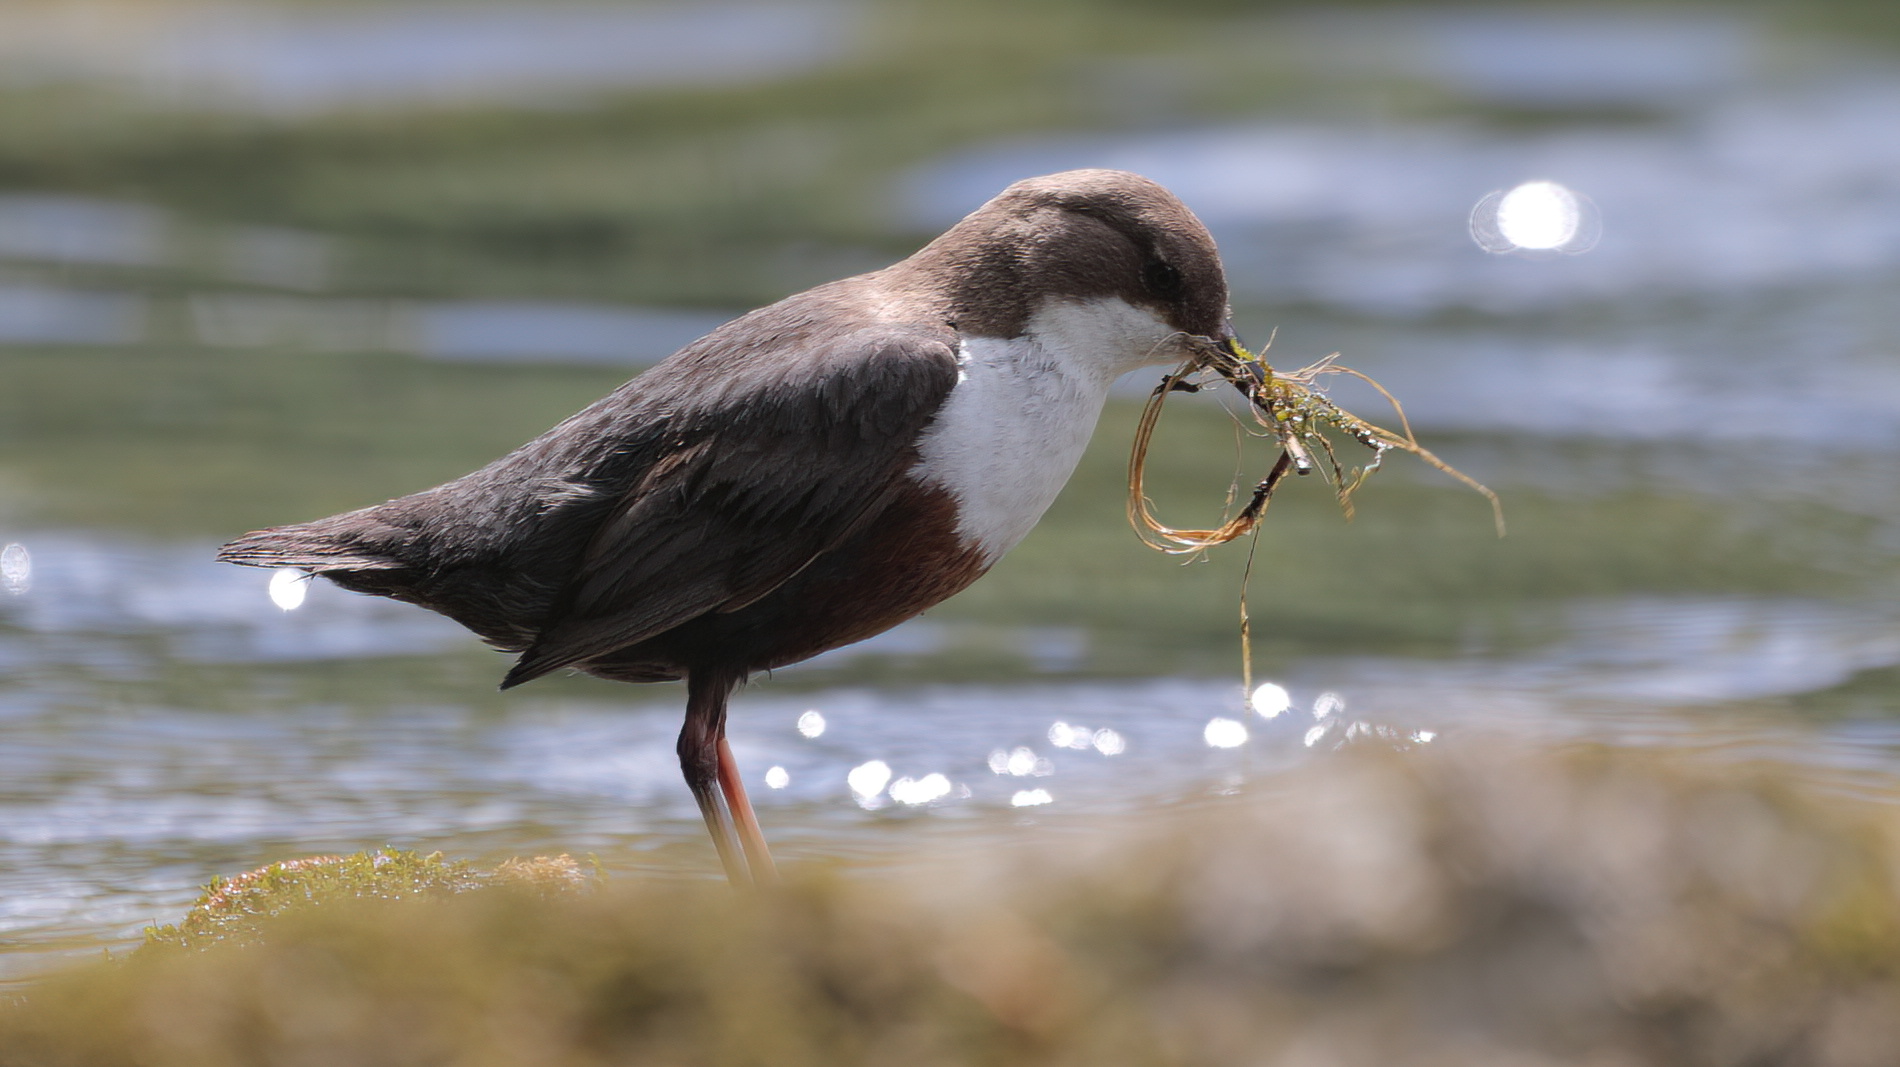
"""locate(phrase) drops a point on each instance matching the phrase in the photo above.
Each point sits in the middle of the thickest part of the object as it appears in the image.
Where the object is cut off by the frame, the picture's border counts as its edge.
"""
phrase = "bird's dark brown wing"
(771, 459)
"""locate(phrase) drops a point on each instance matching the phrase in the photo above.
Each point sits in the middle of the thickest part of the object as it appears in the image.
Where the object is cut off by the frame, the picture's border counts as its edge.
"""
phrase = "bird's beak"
(1244, 370)
(1228, 341)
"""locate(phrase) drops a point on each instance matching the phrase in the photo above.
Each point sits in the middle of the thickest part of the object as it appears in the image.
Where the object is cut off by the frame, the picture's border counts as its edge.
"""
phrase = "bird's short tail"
(333, 544)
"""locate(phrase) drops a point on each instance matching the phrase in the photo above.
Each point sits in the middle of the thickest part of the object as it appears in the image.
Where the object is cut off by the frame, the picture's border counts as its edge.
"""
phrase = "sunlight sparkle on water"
(1538, 216)
(16, 569)
(867, 780)
(1062, 735)
(915, 791)
(1020, 761)
(777, 778)
(1029, 798)
(1270, 699)
(288, 587)
(1224, 733)
(811, 724)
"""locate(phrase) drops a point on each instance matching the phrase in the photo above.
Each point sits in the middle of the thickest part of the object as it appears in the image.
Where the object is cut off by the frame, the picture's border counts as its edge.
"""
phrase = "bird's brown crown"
(1079, 234)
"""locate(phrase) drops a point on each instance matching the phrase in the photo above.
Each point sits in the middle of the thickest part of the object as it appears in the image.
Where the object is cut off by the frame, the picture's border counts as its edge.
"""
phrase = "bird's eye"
(1161, 279)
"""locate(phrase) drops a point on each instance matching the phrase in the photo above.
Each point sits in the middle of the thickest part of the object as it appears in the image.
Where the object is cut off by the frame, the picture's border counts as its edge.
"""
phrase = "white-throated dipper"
(804, 476)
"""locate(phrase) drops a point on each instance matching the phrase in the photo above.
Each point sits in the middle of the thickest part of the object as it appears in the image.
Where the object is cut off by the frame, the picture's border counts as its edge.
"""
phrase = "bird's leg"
(758, 858)
(702, 744)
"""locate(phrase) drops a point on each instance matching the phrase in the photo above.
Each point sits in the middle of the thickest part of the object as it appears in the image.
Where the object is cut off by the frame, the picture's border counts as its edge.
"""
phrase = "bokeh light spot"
(1063, 735)
(288, 587)
(1020, 761)
(16, 569)
(1224, 733)
(915, 791)
(867, 780)
(1270, 699)
(1536, 216)
(1328, 703)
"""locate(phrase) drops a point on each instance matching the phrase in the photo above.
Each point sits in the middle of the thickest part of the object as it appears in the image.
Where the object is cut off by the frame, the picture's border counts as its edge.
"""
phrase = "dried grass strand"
(1292, 411)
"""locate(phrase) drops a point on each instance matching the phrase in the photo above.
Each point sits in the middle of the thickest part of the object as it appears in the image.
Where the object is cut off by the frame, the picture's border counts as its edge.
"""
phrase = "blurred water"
(1554, 58)
(74, 229)
(1714, 384)
(1741, 288)
(1772, 190)
(113, 812)
(290, 59)
(281, 305)
(38, 314)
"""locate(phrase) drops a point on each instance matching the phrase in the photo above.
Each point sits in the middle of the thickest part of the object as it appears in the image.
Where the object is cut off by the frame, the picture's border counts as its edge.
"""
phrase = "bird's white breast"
(1015, 425)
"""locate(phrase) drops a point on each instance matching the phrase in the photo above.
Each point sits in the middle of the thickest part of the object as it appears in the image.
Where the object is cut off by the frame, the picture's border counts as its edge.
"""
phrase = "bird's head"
(1119, 250)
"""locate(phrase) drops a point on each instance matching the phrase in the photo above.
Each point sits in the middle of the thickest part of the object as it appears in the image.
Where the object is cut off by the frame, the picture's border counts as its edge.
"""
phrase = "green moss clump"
(237, 910)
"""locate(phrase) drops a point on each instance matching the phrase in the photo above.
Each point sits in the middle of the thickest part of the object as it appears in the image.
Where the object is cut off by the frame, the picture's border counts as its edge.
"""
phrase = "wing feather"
(777, 461)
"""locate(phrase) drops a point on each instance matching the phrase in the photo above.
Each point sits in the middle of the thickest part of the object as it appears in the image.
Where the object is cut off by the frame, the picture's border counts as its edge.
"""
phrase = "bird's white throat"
(1023, 409)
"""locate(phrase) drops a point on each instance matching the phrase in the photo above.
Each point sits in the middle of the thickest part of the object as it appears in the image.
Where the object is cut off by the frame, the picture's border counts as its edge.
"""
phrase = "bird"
(805, 476)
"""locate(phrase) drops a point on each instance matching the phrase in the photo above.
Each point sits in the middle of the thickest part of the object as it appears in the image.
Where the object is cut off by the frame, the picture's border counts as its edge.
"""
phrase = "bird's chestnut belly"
(901, 564)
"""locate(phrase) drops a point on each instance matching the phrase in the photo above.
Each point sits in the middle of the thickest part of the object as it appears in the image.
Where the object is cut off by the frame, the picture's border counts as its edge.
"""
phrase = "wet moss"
(240, 910)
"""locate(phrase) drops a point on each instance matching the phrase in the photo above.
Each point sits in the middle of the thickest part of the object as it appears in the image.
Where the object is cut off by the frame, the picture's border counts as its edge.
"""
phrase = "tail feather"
(324, 545)
(527, 669)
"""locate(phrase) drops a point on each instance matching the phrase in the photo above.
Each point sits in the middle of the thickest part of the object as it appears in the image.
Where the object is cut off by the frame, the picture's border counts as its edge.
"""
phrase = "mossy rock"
(238, 910)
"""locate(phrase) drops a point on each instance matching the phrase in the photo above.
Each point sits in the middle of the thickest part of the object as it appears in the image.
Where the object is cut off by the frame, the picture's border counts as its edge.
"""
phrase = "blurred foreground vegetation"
(1468, 906)
(241, 910)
